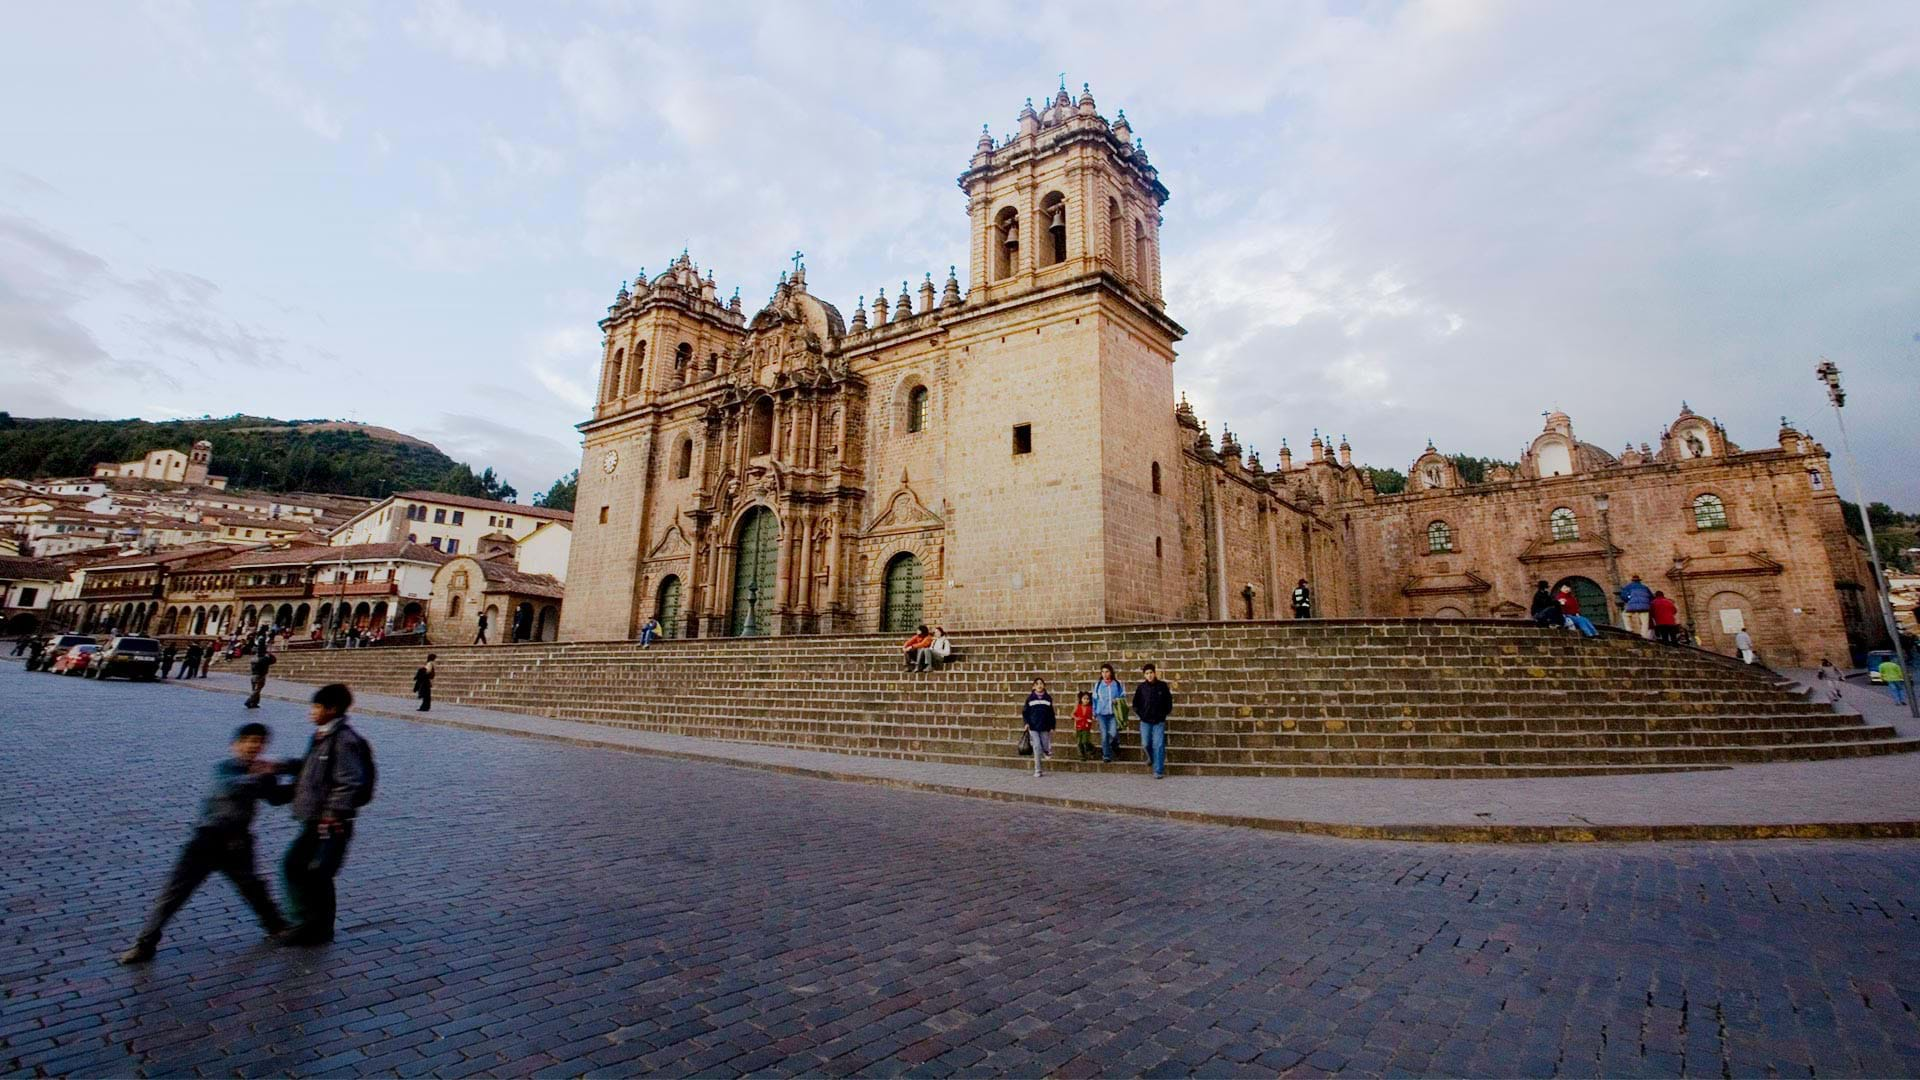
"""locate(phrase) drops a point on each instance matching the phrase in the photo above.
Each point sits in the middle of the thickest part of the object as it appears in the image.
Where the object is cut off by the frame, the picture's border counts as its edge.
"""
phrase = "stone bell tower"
(1067, 196)
(1065, 431)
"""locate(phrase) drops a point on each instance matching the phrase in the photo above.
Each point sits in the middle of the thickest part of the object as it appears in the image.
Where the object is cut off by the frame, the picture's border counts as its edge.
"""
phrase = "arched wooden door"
(1593, 599)
(668, 608)
(901, 601)
(753, 573)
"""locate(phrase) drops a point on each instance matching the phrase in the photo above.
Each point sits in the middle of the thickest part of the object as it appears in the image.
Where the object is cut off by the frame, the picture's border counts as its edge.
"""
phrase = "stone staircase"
(1400, 698)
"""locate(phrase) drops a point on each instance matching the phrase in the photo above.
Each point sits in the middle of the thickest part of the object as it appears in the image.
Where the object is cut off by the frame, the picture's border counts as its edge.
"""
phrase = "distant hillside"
(254, 452)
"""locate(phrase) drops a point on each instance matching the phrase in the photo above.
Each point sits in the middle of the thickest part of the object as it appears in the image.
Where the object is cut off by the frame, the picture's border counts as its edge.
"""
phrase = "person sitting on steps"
(938, 651)
(921, 639)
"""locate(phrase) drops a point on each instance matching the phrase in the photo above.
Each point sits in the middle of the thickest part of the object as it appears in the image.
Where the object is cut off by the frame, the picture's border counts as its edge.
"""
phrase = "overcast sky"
(1390, 222)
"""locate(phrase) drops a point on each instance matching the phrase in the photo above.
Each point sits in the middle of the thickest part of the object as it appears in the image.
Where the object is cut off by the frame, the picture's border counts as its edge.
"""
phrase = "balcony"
(114, 590)
(328, 590)
(286, 590)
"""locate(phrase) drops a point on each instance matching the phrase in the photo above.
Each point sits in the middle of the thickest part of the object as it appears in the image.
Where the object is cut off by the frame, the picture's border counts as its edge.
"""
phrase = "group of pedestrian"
(326, 788)
(1560, 609)
(1105, 704)
(194, 662)
(927, 649)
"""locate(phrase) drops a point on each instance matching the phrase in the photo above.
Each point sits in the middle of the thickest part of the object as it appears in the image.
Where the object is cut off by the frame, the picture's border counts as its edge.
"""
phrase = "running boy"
(222, 840)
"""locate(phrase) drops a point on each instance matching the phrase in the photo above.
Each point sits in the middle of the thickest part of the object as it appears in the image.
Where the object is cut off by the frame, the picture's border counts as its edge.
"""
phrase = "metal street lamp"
(1600, 503)
(753, 599)
(1829, 373)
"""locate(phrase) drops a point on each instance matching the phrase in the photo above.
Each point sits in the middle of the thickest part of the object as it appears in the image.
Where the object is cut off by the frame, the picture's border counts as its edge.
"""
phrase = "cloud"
(446, 25)
(56, 296)
(528, 461)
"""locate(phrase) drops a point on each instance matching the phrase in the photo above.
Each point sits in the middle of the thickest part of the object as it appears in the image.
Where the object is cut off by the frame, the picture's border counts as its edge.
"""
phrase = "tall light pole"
(1600, 503)
(1828, 373)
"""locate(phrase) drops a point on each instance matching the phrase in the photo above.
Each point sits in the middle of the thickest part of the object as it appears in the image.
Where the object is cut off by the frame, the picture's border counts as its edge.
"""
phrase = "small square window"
(453, 547)
(603, 515)
(439, 517)
(1023, 438)
(459, 517)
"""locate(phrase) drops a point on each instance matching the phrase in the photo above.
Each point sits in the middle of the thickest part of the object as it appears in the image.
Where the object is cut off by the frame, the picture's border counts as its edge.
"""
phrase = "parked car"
(59, 644)
(75, 660)
(130, 657)
(1874, 660)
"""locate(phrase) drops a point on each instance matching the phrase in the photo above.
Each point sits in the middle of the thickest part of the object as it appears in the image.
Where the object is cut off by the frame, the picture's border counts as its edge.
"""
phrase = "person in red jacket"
(1666, 617)
(920, 640)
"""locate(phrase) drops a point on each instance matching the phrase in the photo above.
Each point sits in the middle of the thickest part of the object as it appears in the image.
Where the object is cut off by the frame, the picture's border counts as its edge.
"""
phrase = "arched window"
(1115, 237)
(713, 362)
(760, 428)
(614, 386)
(1053, 213)
(1156, 478)
(683, 459)
(917, 409)
(637, 371)
(682, 359)
(1565, 526)
(1709, 512)
(1006, 243)
(1439, 536)
(453, 608)
(1142, 271)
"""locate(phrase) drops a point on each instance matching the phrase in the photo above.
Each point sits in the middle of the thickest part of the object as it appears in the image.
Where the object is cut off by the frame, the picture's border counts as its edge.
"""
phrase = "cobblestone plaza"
(514, 906)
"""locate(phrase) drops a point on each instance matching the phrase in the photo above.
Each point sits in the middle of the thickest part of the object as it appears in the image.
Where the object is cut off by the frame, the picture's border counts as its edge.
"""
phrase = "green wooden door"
(1593, 600)
(900, 610)
(753, 573)
(669, 608)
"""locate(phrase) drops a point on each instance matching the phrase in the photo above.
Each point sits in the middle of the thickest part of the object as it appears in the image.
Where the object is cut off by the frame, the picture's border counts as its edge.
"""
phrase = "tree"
(561, 495)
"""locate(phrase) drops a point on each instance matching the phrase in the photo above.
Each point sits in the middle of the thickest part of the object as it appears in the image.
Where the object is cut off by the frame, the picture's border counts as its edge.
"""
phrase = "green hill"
(253, 452)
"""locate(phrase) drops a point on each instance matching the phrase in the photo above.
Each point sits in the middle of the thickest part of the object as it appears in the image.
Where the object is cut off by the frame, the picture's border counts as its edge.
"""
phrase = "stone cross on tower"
(797, 256)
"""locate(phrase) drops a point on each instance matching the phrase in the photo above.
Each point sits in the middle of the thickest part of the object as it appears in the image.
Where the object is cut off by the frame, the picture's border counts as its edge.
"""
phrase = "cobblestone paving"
(513, 907)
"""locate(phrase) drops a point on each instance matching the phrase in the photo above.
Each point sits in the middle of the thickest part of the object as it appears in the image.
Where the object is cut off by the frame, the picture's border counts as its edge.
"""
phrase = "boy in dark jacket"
(1152, 704)
(262, 663)
(331, 783)
(222, 840)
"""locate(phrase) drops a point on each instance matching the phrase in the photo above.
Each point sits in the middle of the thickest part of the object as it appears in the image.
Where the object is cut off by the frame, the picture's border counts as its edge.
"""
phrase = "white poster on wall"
(1732, 621)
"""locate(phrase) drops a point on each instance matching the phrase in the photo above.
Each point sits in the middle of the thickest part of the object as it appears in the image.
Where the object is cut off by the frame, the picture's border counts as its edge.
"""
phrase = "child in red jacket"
(1083, 724)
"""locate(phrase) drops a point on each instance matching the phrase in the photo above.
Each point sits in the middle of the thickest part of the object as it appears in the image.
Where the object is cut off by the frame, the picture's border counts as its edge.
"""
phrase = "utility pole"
(1829, 373)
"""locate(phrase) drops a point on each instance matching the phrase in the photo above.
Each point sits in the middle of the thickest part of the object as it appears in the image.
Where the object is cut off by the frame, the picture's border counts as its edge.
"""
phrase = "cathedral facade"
(1013, 456)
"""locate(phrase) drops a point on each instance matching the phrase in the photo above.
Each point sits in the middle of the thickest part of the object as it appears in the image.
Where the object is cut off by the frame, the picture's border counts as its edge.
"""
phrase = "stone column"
(783, 567)
(806, 603)
(834, 599)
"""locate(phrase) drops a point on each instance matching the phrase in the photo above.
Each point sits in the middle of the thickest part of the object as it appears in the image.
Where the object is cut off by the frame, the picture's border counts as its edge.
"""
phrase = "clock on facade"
(610, 462)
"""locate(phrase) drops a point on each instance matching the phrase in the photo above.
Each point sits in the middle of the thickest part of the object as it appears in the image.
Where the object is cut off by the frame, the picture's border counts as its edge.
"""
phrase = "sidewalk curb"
(1451, 834)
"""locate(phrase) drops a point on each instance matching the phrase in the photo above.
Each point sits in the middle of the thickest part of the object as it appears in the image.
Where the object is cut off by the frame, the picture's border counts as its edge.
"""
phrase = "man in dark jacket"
(168, 657)
(258, 669)
(222, 841)
(1152, 704)
(1545, 610)
(331, 783)
(190, 666)
(480, 633)
(1302, 600)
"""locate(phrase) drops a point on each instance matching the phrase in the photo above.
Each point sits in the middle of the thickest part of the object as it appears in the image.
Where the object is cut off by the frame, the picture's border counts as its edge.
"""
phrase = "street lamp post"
(753, 600)
(1829, 373)
(1601, 502)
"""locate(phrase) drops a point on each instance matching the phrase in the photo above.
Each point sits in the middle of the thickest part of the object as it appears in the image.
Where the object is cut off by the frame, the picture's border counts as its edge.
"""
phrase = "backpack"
(365, 795)
(373, 775)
